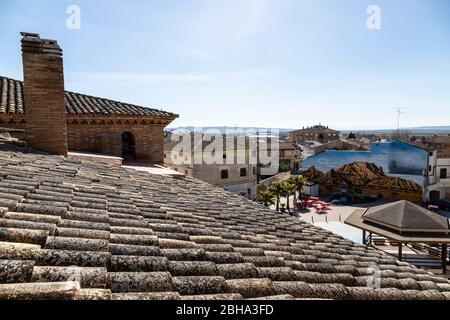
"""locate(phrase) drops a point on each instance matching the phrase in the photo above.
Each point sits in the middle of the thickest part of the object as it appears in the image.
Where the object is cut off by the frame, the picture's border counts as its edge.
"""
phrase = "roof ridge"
(141, 110)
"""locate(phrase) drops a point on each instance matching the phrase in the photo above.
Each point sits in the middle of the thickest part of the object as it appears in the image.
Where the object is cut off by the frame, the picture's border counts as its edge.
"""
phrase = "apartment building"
(234, 171)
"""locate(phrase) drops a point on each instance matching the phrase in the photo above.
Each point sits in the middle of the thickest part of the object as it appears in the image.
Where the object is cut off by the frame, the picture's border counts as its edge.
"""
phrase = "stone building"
(440, 143)
(239, 177)
(317, 133)
(56, 120)
(290, 156)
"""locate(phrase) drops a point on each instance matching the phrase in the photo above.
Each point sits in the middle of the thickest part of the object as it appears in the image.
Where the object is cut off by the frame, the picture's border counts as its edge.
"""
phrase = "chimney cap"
(30, 35)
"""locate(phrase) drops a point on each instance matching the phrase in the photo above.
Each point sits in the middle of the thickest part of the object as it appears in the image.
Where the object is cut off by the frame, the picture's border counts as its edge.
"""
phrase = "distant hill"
(431, 128)
(425, 130)
(224, 129)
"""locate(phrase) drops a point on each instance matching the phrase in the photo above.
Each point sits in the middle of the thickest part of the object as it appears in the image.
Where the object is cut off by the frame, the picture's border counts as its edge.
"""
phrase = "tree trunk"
(288, 206)
(278, 203)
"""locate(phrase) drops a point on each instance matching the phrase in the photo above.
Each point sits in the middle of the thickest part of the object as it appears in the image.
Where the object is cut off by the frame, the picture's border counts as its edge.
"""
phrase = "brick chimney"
(44, 94)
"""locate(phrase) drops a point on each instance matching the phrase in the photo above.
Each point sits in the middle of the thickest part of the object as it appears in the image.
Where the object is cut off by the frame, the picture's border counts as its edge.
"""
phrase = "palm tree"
(289, 190)
(299, 182)
(277, 189)
(265, 198)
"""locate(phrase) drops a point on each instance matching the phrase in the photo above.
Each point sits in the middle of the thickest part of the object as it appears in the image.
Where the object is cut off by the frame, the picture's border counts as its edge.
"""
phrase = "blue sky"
(274, 63)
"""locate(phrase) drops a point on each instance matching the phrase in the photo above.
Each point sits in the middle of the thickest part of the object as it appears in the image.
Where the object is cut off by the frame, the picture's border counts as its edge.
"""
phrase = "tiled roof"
(12, 102)
(133, 235)
(440, 139)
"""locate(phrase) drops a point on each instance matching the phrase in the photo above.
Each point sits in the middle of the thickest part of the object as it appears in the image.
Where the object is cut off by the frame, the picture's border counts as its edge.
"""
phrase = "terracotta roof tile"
(131, 235)
(12, 102)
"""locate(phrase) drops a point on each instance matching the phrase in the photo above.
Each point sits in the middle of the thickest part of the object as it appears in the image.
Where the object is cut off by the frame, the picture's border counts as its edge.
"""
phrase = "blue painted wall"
(396, 158)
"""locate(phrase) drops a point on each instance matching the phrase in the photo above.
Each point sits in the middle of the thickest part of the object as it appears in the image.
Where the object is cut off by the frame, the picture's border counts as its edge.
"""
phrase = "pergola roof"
(405, 216)
(356, 220)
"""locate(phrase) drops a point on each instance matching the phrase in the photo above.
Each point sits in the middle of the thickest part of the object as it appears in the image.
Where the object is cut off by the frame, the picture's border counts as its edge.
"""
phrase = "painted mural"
(366, 179)
(397, 159)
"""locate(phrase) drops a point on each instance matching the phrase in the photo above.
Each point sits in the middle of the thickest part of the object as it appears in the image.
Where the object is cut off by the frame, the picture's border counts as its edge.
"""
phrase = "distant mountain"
(412, 130)
(224, 129)
(430, 128)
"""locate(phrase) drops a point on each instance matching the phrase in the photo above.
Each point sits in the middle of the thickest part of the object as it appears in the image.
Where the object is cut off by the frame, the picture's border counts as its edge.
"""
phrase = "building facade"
(317, 133)
(290, 156)
(235, 172)
(56, 120)
(441, 190)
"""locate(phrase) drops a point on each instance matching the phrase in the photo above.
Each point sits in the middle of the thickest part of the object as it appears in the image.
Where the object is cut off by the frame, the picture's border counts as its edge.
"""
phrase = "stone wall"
(104, 138)
(44, 94)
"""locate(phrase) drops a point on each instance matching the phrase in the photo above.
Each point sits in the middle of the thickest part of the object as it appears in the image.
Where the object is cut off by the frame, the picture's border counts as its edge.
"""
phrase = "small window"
(254, 170)
(443, 173)
(224, 156)
(224, 174)
(243, 172)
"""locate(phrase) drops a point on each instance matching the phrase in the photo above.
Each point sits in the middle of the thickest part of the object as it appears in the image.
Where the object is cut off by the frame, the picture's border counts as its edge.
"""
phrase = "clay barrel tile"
(67, 258)
(200, 285)
(40, 291)
(149, 296)
(77, 224)
(40, 209)
(82, 233)
(121, 282)
(22, 224)
(32, 217)
(38, 237)
(19, 251)
(131, 230)
(133, 239)
(134, 250)
(138, 263)
(76, 244)
(192, 268)
(184, 254)
(93, 294)
(225, 257)
(238, 271)
(214, 297)
(16, 271)
(87, 276)
(252, 288)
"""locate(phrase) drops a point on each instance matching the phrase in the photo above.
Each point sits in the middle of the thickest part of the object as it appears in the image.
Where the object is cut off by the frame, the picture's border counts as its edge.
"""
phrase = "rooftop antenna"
(399, 111)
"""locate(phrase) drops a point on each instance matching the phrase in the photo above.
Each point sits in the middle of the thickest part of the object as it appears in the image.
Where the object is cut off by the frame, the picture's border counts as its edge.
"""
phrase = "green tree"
(288, 191)
(299, 183)
(285, 167)
(265, 198)
(277, 190)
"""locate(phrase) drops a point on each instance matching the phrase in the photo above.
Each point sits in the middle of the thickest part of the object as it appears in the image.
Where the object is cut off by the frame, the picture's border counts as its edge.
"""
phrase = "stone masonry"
(44, 94)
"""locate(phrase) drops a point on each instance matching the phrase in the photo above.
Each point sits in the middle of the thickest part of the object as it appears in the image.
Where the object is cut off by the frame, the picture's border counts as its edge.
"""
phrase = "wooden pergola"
(404, 223)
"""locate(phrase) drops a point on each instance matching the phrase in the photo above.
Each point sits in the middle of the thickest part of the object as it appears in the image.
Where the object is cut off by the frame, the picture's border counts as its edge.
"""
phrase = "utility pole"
(399, 111)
